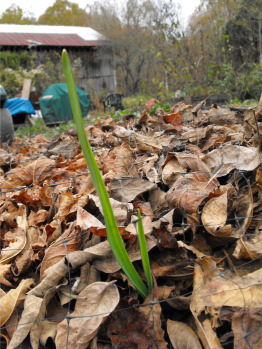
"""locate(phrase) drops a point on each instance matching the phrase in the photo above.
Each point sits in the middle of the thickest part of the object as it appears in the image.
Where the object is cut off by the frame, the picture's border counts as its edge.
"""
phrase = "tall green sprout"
(113, 234)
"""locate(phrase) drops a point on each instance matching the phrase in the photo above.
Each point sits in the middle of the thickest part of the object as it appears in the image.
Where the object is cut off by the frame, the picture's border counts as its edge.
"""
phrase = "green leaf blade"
(144, 252)
(113, 234)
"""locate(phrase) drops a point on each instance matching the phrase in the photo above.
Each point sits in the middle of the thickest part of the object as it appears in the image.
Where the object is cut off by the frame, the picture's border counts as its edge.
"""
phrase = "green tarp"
(55, 104)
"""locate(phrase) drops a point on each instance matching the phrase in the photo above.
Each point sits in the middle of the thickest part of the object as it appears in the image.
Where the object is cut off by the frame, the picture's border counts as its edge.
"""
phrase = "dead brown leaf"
(94, 305)
(11, 299)
(229, 157)
(34, 173)
(189, 191)
(64, 245)
(182, 336)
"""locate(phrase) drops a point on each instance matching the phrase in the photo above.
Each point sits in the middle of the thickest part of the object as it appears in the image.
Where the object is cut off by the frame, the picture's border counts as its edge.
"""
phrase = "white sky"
(37, 8)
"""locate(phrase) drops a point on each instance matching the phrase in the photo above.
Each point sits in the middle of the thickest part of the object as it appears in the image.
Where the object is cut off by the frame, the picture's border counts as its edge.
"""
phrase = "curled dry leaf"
(150, 169)
(126, 189)
(69, 203)
(195, 134)
(5, 157)
(229, 157)
(31, 310)
(175, 119)
(141, 326)
(172, 171)
(20, 238)
(94, 305)
(205, 270)
(35, 172)
(250, 249)
(242, 292)
(215, 214)
(11, 299)
(76, 259)
(247, 320)
(189, 191)
(86, 220)
(32, 316)
(150, 143)
(182, 336)
(121, 209)
(5, 274)
(37, 218)
(64, 245)
(13, 249)
(33, 250)
(124, 162)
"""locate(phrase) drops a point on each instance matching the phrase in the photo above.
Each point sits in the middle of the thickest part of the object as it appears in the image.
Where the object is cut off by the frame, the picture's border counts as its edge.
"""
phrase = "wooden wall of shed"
(96, 73)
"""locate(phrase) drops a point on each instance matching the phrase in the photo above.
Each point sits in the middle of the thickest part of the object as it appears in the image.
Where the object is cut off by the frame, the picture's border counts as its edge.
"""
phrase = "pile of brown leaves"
(195, 176)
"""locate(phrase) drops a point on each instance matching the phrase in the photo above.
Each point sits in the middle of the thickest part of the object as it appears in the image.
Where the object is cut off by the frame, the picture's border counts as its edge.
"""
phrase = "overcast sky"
(37, 8)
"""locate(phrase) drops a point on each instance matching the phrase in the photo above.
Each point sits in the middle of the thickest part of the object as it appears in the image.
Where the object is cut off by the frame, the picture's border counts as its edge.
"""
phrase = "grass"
(113, 235)
(133, 102)
(32, 130)
(250, 103)
(40, 127)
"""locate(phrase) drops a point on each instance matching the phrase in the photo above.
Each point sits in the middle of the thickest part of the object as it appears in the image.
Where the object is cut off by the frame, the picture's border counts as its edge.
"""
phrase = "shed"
(94, 50)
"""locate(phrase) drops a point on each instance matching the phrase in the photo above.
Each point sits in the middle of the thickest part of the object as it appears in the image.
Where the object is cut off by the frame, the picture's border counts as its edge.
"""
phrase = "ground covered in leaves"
(196, 177)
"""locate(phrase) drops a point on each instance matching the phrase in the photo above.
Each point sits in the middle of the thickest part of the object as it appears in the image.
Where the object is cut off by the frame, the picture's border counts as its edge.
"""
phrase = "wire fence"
(205, 253)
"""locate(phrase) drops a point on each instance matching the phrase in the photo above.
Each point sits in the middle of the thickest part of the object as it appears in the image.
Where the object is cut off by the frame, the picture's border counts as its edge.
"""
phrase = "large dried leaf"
(86, 220)
(75, 259)
(154, 318)
(69, 203)
(124, 162)
(214, 214)
(189, 191)
(11, 299)
(126, 189)
(121, 210)
(247, 321)
(34, 173)
(158, 141)
(141, 326)
(250, 249)
(172, 171)
(229, 157)
(19, 238)
(64, 245)
(92, 307)
(31, 311)
(182, 336)
(240, 292)
(31, 319)
(198, 307)
(5, 274)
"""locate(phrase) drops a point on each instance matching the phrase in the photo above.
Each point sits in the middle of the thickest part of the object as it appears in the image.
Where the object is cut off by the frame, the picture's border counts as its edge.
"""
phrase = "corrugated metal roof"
(24, 39)
(21, 35)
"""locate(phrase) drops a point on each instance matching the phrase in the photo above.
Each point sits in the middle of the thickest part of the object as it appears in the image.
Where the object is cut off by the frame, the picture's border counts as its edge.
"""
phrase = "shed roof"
(24, 35)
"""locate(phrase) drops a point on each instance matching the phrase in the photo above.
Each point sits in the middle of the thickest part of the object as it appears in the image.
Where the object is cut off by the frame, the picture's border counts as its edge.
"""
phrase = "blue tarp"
(19, 105)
